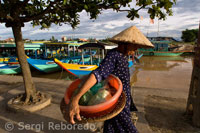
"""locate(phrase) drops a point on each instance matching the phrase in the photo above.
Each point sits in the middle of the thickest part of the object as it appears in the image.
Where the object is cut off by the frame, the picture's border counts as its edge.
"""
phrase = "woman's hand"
(73, 105)
(74, 110)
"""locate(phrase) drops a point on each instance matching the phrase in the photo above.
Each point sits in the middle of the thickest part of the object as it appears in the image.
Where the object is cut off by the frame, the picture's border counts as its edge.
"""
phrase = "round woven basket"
(118, 108)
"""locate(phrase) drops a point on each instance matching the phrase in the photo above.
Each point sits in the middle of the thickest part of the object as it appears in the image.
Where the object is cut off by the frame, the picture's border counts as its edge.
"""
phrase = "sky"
(186, 15)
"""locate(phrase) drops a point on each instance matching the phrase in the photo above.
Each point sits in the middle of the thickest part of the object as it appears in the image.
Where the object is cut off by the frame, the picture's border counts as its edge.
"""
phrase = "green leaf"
(64, 2)
(86, 7)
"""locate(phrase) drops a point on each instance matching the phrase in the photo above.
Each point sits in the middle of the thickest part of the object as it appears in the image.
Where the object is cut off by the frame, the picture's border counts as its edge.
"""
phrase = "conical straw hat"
(132, 35)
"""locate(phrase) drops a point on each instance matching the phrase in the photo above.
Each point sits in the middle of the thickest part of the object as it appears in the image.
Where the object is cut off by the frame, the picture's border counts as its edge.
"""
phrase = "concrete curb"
(29, 108)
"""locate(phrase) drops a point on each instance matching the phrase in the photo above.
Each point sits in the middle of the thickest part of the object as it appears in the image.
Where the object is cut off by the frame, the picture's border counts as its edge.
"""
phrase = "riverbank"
(161, 92)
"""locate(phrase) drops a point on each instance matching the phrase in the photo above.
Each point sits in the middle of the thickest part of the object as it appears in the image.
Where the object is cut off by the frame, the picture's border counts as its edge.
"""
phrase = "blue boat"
(45, 66)
(49, 66)
(10, 69)
(8, 60)
(66, 51)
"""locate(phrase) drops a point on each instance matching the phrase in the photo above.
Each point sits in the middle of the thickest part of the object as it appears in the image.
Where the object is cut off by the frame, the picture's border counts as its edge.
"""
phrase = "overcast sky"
(186, 15)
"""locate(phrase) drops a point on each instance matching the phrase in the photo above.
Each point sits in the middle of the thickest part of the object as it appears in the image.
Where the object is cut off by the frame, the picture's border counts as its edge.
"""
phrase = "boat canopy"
(98, 45)
(61, 44)
(27, 46)
(92, 46)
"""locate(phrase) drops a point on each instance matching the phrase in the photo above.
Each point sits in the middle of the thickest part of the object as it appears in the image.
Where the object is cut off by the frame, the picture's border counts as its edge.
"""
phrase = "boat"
(76, 69)
(3, 60)
(8, 50)
(10, 69)
(45, 66)
(49, 66)
(8, 57)
(85, 68)
(161, 49)
(2, 64)
(66, 51)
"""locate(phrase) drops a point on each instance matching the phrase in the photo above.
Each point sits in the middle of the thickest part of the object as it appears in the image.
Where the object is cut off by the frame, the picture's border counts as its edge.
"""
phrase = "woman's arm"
(105, 68)
(73, 105)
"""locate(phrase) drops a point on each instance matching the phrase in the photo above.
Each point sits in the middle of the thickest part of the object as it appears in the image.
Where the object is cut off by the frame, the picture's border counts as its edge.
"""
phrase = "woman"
(116, 63)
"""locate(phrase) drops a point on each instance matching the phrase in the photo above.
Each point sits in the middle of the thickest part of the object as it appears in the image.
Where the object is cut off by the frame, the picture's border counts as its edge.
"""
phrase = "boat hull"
(76, 69)
(46, 66)
(161, 53)
(10, 69)
(80, 70)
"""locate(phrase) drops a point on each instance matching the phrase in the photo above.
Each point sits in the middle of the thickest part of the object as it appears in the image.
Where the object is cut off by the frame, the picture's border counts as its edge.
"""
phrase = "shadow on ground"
(166, 115)
(48, 119)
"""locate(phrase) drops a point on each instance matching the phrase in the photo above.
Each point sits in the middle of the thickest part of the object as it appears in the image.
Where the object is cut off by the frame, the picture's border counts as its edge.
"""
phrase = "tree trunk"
(193, 103)
(30, 91)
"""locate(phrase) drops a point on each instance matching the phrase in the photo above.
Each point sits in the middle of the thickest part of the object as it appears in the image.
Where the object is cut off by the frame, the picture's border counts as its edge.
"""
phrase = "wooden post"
(82, 54)
(68, 51)
(193, 103)
(45, 50)
(103, 53)
(90, 56)
(99, 55)
(74, 50)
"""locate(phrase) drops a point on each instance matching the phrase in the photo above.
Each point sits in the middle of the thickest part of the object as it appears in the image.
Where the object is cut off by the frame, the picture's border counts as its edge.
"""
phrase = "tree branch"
(24, 2)
(124, 10)
(9, 18)
(39, 15)
(6, 17)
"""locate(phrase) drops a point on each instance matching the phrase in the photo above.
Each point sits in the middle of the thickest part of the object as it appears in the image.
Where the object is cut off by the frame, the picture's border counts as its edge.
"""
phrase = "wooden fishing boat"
(8, 51)
(4, 59)
(44, 60)
(158, 53)
(45, 66)
(161, 49)
(49, 66)
(2, 64)
(9, 62)
(10, 69)
(85, 68)
(76, 69)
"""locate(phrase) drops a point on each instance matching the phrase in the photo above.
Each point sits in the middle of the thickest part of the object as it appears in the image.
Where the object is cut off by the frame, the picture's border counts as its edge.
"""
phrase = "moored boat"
(85, 68)
(10, 69)
(76, 69)
(161, 49)
(62, 50)
(46, 66)
(8, 57)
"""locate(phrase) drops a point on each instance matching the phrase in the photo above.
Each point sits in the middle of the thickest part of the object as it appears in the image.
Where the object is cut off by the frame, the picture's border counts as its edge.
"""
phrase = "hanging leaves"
(46, 12)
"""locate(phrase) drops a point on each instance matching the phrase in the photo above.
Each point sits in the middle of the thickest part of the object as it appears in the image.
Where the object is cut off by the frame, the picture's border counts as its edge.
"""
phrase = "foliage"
(46, 12)
(53, 39)
(92, 39)
(189, 35)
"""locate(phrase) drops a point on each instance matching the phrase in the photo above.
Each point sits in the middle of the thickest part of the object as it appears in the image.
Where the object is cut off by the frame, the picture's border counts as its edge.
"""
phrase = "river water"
(163, 72)
(151, 71)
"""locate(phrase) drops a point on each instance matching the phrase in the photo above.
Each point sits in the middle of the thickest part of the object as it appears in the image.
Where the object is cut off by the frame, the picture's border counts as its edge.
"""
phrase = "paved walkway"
(49, 119)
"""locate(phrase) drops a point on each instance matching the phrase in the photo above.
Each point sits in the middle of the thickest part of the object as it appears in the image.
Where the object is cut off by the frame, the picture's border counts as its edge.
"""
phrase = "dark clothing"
(117, 64)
